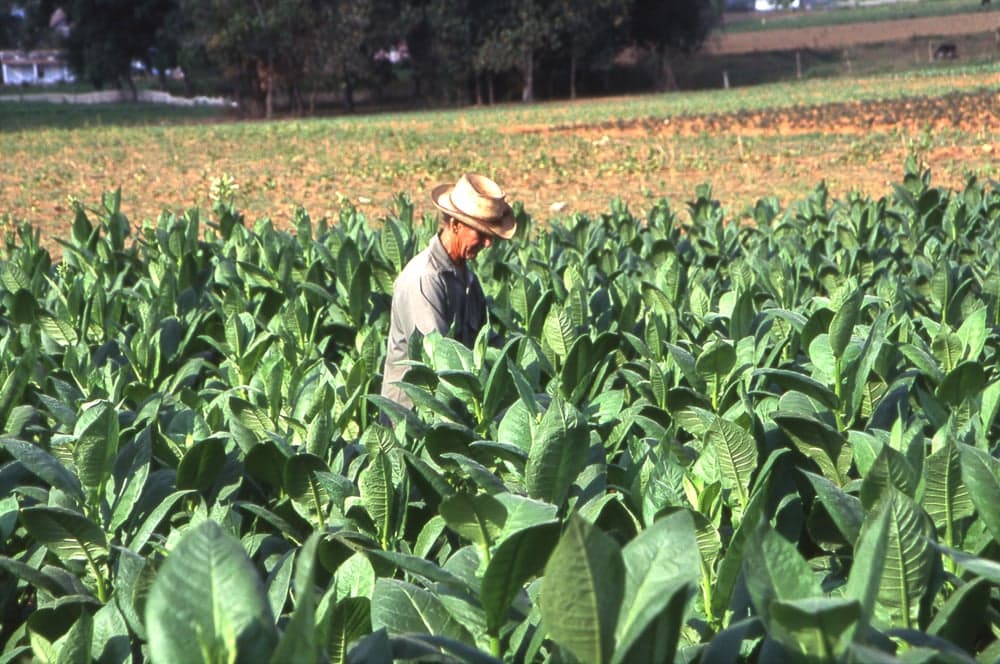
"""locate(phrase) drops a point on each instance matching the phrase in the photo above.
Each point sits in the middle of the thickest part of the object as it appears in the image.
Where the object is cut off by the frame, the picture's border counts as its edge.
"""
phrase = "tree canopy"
(441, 51)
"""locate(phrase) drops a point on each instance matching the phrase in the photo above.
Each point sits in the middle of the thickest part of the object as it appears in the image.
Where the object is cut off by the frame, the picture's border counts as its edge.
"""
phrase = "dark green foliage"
(698, 439)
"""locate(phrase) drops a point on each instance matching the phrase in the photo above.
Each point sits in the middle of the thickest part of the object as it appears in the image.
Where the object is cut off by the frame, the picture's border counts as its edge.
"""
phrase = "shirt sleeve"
(427, 305)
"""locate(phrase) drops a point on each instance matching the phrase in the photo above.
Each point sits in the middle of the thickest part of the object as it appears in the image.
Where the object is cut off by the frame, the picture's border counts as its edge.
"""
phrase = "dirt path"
(839, 36)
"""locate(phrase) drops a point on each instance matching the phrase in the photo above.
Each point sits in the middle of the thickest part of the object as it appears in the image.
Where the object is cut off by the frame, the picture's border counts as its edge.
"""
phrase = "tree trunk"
(131, 87)
(528, 91)
(348, 94)
(489, 87)
(667, 80)
(572, 76)
(269, 92)
(479, 88)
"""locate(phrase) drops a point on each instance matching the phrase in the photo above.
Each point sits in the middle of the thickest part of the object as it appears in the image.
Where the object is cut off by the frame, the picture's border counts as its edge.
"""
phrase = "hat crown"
(477, 201)
(478, 196)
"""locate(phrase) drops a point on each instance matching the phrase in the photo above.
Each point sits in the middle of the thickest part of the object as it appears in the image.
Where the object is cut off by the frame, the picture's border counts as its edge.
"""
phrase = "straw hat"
(477, 201)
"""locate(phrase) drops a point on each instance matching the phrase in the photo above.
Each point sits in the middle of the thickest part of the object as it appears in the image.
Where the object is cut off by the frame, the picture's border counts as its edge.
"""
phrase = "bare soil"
(554, 171)
(840, 36)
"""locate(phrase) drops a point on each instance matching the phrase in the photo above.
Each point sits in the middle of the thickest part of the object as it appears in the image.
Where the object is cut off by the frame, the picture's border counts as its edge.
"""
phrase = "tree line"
(295, 53)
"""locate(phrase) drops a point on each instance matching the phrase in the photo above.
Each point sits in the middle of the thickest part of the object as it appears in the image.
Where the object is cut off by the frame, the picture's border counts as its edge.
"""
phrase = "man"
(437, 289)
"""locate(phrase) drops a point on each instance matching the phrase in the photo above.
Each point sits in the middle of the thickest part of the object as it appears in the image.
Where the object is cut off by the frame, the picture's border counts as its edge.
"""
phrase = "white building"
(34, 68)
(771, 5)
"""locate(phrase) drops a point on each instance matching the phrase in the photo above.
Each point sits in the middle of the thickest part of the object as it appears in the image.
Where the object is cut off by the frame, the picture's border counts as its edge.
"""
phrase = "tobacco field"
(700, 440)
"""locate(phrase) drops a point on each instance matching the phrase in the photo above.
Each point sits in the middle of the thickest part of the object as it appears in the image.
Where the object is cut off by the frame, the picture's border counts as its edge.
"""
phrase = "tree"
(11, 26)
(441, 36)
(107, 35)
(669, 28)
(586, 26)
(519, 32)
(255, 44)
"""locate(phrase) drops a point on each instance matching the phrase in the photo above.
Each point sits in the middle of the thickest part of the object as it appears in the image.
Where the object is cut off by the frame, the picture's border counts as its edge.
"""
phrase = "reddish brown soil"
(554, 171)
(839, 36)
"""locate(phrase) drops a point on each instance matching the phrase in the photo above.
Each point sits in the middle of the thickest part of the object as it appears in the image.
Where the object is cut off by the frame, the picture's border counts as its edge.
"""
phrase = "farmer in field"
(437, 289)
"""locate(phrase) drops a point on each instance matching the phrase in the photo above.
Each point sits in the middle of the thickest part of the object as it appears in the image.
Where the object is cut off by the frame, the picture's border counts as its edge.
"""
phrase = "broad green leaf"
(963, 616)
(732, 559)
(558, 332)
(132, 468)
(973, 333)
(75, 646)
(890, 469)
(982, 567)
(45, 466)
(980, 472)
(378, 493)
(686, 362)
(859, 371)
(69, 535)
(208, 603)
(298, 642)
(152, 522)
(661, 564)
(844, 320)
(516, 560)
(449, 354)
(37, 578)
(793, 380)
(499, 391)
(201, 465)
(948, 348)
(420, 567)
(926, 363)
(945, 497)
(727, 645)
(304, 488)
(134, 578)
(110, 644)
(558, 453)
(402, 608)
(736, 451)
(582, 591)
(824, 445)
(909, 557)
(523, 512)
(355, 577)
(349, 620)
(714, 364)
(774, 570)
(479, 518)
(964, 382)
(844, 509)
(820, 628)
(517, 426)
(279, 582)
(392, 245)
(58, 330)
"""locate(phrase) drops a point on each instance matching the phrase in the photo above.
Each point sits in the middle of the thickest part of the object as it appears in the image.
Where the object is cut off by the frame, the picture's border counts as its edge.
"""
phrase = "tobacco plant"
(683, 438)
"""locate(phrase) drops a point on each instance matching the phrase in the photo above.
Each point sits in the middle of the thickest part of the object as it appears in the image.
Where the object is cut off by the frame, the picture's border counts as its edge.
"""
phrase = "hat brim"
(502, 228)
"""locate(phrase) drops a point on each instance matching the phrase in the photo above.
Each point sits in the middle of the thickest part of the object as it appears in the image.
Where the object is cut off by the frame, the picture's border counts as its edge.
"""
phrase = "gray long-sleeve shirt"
(430, 294)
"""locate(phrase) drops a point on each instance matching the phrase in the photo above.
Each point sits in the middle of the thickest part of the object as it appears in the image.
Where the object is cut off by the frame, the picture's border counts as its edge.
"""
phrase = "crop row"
(701, 440)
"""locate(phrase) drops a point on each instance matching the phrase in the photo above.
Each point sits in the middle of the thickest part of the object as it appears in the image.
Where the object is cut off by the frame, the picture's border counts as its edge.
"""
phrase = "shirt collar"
(442, 261)
(440, 257)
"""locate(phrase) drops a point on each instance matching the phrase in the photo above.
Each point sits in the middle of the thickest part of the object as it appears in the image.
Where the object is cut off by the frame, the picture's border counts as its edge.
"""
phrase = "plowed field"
(554, 166)
(853, 34)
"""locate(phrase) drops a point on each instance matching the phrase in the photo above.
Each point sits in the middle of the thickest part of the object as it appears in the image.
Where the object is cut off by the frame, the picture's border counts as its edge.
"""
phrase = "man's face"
(469, 241)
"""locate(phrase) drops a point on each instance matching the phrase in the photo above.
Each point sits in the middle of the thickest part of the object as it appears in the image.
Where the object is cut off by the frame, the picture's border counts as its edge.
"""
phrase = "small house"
(34, 68)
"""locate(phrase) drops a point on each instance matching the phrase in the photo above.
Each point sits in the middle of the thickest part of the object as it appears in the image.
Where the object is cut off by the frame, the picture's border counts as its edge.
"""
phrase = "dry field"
(854, 34)
(557, 159)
